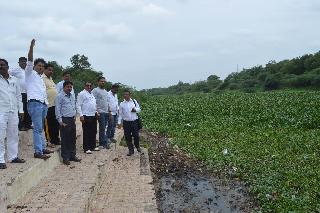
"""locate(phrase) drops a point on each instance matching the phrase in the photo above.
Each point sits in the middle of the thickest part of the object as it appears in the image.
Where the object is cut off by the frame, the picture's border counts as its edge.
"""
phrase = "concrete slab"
(18, 179)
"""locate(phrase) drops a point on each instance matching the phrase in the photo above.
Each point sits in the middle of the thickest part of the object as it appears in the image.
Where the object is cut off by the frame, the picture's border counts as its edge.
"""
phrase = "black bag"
(139, 120)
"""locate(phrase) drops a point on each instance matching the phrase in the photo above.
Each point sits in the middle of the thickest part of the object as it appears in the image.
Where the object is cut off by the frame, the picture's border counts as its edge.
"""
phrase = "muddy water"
(196, 194)
(183, 184)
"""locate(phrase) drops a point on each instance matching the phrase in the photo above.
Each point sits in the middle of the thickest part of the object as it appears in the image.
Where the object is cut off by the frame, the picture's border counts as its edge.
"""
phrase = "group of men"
(31, 100)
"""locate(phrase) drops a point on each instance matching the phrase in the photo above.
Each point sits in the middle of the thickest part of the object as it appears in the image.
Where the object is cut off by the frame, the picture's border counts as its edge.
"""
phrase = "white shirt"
(10, 95)
(125, 111)
(36, 89)
(59, 87)
(20, 74)
(86, 104)
(113, 103)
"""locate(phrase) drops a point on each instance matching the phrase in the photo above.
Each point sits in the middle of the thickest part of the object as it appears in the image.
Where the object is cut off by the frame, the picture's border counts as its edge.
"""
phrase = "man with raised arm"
(37, 102)
(10, 104)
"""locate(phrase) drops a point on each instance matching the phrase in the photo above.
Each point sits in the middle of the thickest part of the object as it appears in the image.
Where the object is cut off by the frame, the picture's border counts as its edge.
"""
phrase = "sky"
(156, 43)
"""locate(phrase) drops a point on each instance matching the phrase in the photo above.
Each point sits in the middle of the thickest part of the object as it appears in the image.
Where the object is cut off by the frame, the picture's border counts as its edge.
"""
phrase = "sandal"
(3, 166)
(18, 160)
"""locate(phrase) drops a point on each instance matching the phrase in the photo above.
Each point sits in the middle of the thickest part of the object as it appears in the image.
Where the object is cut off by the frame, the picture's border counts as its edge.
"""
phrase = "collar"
(4, 78)
(87, 91)
(44, 75)
(66, 94)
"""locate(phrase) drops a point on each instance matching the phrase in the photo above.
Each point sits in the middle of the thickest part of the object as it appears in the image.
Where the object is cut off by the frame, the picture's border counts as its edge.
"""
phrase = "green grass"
(272, 140)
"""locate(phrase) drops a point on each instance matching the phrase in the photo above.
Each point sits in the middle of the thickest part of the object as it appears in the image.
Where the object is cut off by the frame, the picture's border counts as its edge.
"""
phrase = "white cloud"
(48, 28)
(155, 10)
(186, 55)
(93, 30)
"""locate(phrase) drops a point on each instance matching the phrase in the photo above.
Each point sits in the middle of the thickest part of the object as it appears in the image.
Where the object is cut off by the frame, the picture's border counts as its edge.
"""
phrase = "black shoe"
(113, 140)
(18, 160)
(66, 162)
(107, 146)
(3, 166)
(130, 153)
(41, 156)
(139, 149)
(75, 159)
(47, 151)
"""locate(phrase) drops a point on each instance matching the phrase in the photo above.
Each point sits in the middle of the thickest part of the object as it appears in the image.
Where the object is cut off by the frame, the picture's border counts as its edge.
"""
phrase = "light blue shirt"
(65, 106)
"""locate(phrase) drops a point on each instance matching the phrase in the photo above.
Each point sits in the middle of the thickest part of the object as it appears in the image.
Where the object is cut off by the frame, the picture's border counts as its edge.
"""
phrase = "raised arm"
(30, 53)
(29, 67)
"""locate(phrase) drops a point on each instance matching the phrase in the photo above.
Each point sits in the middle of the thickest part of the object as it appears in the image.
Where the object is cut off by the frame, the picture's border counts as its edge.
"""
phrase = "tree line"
(298, 73)
(81, 71)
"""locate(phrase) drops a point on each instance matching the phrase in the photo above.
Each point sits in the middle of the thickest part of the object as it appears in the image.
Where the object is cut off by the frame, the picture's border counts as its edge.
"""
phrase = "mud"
(183, 184)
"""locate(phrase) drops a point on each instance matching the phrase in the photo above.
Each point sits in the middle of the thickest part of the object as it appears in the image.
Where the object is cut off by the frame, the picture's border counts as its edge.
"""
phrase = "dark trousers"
(68, 138)
(131, 130)
(52, 127)
(89, 128)
(26, 121)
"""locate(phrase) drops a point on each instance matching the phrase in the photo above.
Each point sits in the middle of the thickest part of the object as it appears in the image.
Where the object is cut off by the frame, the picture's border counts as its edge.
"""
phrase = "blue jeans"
(103, 122)
(38, 113)
(112, 126)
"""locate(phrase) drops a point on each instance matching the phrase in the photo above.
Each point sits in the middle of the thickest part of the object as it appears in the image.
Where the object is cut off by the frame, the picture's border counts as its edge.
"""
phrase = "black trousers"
(89, 128)
(131, 130)
(68, 138)
(52, 126)
(26, 121)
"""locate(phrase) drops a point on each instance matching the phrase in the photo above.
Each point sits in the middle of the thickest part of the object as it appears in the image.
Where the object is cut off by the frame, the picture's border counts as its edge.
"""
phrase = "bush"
(271, 83)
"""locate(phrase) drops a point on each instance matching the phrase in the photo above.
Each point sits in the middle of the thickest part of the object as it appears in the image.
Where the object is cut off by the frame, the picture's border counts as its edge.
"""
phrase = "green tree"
(80, 62)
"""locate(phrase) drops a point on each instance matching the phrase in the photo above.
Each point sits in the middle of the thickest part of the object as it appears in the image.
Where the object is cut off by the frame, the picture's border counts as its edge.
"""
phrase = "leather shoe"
(3, 166)
(18, 160)
(66, 162)
(130, 153)
(75, 159)
(139, 149)
(47, 151)
(41, 156)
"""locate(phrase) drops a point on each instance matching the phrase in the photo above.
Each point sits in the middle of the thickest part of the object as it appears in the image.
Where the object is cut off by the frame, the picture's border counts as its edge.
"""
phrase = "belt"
(35, 100)
(68, 117)
(129, 121)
